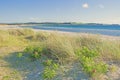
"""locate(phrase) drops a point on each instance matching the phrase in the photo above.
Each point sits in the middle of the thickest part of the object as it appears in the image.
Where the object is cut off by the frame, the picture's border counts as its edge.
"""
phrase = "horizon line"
(59, 22)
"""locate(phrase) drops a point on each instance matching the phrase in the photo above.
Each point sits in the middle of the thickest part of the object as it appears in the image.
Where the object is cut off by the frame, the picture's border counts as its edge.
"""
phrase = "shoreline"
(110, 37)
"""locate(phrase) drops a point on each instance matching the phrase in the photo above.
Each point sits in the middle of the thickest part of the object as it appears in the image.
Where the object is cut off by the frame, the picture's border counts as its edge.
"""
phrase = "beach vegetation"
(55, 50)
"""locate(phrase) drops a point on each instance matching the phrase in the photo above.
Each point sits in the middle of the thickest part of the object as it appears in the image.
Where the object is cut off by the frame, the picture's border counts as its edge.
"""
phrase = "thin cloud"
(33, 18)
(101, 6)
(85, 5)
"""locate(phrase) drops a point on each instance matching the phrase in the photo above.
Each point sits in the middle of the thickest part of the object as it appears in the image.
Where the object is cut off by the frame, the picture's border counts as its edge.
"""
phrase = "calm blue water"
(112, 30)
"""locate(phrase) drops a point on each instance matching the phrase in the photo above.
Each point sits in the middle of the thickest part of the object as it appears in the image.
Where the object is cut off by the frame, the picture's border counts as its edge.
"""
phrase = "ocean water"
(112, 30)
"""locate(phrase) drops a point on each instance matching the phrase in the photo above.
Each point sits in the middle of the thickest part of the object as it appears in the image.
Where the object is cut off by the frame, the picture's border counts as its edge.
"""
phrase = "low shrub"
(87, 59)
(20, 55)
(50, 70)
(35, 52)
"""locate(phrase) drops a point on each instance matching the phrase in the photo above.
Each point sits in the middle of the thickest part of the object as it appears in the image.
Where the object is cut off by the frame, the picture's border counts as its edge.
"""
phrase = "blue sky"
(87, 11)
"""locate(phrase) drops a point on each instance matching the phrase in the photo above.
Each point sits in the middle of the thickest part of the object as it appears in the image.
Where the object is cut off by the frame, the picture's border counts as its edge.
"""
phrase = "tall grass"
(21, 32)
(14, 37)
(59, 47)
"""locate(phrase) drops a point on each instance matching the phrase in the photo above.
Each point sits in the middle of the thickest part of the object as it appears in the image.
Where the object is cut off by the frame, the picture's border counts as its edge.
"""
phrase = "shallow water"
(112, 30)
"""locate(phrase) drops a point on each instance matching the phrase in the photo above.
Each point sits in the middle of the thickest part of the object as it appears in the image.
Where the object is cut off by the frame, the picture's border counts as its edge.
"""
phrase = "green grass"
(56, 50)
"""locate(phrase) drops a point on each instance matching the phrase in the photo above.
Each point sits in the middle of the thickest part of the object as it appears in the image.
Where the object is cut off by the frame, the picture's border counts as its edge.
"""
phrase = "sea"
(104, 29)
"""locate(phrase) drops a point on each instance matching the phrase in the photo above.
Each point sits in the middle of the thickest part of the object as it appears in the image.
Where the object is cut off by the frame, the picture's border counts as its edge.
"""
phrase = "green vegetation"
(87, 59)
(54, 51)
(50, 70)
(35, 52)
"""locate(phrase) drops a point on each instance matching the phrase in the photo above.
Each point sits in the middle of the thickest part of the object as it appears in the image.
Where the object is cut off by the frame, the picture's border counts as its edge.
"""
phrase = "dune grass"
(59, 52)
(63, 49)
(13, 38)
